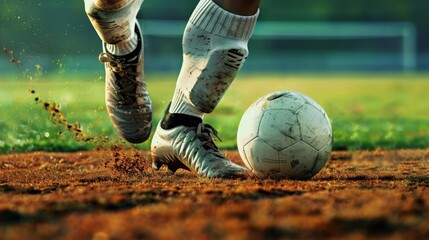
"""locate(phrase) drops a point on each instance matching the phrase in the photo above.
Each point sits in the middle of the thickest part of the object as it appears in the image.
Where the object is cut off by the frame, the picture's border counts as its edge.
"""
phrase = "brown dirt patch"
(100, 195)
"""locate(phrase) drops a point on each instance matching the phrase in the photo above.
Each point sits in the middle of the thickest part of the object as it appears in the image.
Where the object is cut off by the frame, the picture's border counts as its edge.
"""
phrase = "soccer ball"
(286, 135)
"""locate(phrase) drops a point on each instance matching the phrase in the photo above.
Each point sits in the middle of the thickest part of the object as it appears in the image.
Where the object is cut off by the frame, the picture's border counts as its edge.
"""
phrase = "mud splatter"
(122, 158)
(12, 59)
(126, 162)
(58, 119)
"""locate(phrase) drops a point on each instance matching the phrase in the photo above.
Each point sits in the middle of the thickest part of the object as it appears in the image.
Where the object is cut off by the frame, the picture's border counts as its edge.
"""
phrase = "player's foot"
(127, 99)
(183, 141)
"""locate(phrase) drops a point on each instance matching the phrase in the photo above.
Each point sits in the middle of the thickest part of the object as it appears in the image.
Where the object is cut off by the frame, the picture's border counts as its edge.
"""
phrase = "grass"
(367, 110)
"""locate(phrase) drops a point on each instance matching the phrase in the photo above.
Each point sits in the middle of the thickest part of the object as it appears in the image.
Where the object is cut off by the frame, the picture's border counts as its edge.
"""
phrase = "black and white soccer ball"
(285, 134)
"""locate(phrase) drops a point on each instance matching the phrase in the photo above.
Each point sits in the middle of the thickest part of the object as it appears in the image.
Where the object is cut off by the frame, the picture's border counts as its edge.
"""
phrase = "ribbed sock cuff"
(214, 19)
(124, 47)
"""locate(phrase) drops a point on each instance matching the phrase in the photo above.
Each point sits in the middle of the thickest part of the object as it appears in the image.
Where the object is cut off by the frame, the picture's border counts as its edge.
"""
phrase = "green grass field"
(367, 111)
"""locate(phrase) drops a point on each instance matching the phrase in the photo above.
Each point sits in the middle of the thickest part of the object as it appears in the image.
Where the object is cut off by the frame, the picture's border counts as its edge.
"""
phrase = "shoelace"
(204, 133)
(127, 81)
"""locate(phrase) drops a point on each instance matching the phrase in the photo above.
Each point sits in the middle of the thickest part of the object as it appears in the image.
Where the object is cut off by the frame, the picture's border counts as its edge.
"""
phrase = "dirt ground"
(115, 195)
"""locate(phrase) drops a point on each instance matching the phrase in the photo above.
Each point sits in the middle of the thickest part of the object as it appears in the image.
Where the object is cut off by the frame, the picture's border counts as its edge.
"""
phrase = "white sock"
(115, 27)
(124, 47)
(214, 49)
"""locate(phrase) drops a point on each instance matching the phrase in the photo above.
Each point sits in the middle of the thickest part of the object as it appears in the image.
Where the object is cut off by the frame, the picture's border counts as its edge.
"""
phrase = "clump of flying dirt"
(128, 162)
(12, 59)
(58, 119)
(122, 157)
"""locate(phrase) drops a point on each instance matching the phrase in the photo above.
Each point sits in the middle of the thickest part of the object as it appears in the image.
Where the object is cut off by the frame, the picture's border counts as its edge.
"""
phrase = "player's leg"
(215, 48)
(127, 99)
(240, 7)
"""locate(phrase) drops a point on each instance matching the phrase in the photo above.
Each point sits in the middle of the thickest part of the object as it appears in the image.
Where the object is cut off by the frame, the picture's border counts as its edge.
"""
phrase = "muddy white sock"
(124, 47)
(214, 50)
(115, 23)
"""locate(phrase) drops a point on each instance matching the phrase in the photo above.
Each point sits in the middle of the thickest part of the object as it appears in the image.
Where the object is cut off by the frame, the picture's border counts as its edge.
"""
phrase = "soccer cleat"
(189, 145)
(127, 99)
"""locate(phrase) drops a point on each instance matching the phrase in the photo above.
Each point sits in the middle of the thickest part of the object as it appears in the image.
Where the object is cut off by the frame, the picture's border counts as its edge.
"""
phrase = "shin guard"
(214, 50)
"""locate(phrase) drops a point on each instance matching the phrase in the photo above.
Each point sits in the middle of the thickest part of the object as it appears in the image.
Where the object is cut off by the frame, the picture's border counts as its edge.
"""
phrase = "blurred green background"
(365, 62)
(51, 31)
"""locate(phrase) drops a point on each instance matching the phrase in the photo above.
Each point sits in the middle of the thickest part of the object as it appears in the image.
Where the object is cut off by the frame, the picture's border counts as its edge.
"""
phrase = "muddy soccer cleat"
(127, 99)
(183, 141)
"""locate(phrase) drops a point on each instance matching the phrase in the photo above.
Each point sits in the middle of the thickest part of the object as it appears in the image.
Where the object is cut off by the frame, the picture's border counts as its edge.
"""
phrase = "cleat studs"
(156, 165)
(172, 169)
